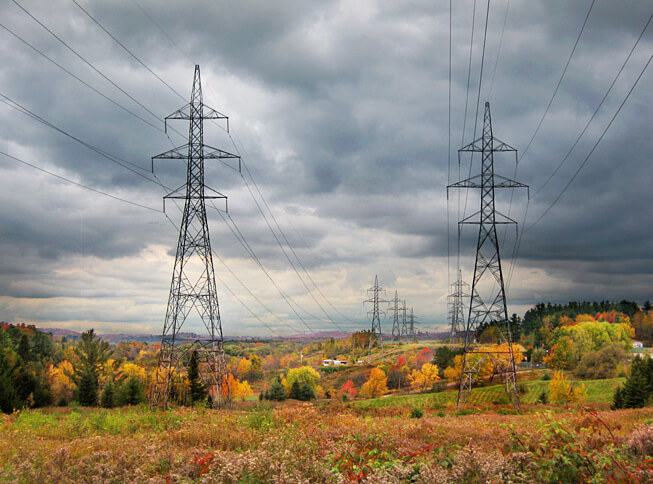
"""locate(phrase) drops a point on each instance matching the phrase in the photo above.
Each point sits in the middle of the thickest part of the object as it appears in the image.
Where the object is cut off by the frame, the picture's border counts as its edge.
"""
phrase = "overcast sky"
(340, 111)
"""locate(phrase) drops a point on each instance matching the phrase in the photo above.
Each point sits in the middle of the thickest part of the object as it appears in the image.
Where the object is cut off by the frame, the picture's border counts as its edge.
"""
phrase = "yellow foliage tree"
(453, 372)
(424, 378)
(132, 369)
(61, 384)
(302, 375)
(376, 385)
(237, 389)
(244, 365)
(563, 392)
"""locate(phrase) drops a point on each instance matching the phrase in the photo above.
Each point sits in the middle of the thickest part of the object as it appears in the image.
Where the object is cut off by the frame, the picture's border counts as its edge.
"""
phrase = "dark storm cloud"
(340, 109)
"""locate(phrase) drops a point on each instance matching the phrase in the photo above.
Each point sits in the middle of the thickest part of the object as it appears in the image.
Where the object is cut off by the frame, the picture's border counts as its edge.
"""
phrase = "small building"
(638, 344)
(333, 362)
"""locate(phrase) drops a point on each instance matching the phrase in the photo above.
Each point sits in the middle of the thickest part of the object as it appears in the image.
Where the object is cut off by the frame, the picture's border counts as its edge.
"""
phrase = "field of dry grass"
(327, 442)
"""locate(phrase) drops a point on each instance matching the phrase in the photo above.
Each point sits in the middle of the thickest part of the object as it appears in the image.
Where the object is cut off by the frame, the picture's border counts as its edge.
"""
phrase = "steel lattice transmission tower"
(193, 278)
(411, 326)
(396, 327)
(404, 324)
(375, 312)
(487, 266)
(456, 302)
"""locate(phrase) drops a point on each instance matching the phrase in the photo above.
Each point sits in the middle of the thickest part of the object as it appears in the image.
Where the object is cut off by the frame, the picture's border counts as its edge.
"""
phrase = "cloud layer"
(340, 111)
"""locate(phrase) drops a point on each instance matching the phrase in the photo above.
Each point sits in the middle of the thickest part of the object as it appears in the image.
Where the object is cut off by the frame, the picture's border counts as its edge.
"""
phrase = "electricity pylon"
(375, 312)
(411, 326)
(396, 328)
(404, 323)
(488, 263)
(193, 278)
(456, 302)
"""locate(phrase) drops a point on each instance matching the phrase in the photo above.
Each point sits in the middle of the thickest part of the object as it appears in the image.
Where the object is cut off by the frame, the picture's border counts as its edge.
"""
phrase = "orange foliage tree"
(238, 389)
(424, 378)
(376, 385)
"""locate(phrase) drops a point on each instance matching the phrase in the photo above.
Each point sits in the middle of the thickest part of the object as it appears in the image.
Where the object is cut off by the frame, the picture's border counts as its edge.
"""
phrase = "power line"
(80, 80)
(119, 161)
(519, 239)
(140, 104)
(555, 91)
(537, 129)
(68, 180)
(83, 59)
(614, 81)
(286, 240)
(496, 61)
(449, 156)
(469, 73)
(161, 29)
(110, 157)
(115, 159)
(480, 76)
(227, 286)
(593, 147)
(127, 50)
(250, 191)
(478, 99)
(255, 258)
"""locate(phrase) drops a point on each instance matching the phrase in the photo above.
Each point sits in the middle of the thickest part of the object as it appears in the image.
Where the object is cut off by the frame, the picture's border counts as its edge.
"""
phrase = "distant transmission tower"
(488, 263)
(396, 328)
(404, 322)
(456, 302)
(375, 312)
(411, 326)
(193, 278)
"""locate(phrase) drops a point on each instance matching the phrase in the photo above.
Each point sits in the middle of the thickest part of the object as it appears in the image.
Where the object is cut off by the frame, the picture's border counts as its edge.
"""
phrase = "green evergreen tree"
(618, 399)
(92, 353)
(108, 396)
(23, 348)
(132, 391)
(197, 388)
(277, 391)
(637, 390)
(301, 391)
(87, 388)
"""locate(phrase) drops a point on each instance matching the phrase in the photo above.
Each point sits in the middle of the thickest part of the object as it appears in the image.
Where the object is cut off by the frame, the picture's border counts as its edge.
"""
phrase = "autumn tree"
(376, 385)
(643, 324)
(303, 376)
(348, 391)
(443, 357)
(602, 363)
(563, 354)
(61, 383)
(425, 377)
(237, 389)
(563, 392)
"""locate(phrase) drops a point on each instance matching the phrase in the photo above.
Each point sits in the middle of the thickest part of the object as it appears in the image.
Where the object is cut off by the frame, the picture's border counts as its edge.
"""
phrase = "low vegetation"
(76, 410)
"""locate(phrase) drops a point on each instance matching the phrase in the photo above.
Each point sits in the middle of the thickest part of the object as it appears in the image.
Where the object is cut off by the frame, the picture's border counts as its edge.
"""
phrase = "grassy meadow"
(330, 441)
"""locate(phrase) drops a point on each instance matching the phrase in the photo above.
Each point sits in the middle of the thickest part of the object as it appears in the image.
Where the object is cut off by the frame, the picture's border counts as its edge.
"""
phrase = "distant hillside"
(114, 338)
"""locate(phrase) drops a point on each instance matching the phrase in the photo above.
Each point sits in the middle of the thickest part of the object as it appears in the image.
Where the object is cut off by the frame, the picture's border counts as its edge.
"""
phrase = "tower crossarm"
(499, 219)
(477, 182)
(207, 113)
(477, 146)
(181, 153)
